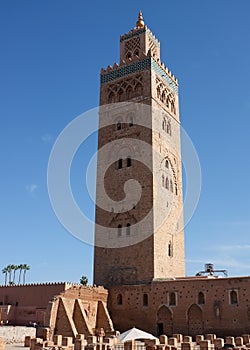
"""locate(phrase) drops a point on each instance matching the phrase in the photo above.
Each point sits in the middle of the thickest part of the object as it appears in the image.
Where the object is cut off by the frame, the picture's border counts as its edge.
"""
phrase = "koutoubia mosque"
(139, 262)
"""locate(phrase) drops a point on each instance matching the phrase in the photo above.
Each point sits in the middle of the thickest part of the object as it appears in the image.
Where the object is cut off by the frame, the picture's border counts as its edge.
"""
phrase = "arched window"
(120, 163)
(167, 183)
(120, 95)
(172, 299)
(137, 53)
(111, 97)
(166, 163)
(138, 89)
(163, 96)
(131, 122)
(167, 103)
(176, 190)
(164, 124)
(233, 297)
(129, 55)
(163, 181)
(145, 300)
(129, 92)
(172, 107)
(129, 162)
(119, 299)
(201, 298)
(128, 229)
(119, 230)
(169, 128)
(118, 126)
(158, 92)
(171, 186)
(170, 249)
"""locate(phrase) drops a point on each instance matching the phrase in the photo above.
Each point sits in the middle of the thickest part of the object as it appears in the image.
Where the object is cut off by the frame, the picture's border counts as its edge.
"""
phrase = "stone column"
(187, 346)
(198, 339)
(206, 345)
(187, 339)
(230, 340)
(246, 338)
(239, 341)
(163, 339)
(172, 342)
(211, 337)
(179, 337)
(218, 343)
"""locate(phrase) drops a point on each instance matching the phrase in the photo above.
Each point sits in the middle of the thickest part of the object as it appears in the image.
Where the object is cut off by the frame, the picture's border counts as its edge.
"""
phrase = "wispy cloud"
(233, 248)
(31, 188)
(47, 138)
(227, 262)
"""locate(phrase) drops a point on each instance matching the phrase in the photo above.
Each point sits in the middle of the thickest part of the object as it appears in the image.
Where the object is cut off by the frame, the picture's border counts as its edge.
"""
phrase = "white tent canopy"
(134, 333)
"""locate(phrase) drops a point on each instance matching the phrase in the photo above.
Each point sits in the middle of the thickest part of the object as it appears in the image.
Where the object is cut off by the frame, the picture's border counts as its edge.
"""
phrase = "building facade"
(146, 277)
(190, 306)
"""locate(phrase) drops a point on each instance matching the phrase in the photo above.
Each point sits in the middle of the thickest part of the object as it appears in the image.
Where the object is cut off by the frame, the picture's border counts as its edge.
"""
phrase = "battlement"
(137, 31)
(66, 284)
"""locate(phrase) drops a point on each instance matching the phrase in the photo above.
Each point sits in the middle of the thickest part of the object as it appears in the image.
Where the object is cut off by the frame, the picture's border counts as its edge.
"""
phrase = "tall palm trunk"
(24, 274)
(20, 273)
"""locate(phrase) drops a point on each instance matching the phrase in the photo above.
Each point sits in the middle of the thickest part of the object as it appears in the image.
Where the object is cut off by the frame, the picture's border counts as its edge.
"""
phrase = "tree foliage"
(10, 273)
(84, 280)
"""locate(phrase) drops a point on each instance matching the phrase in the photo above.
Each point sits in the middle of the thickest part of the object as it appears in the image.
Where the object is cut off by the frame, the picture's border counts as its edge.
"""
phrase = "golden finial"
(140, 22)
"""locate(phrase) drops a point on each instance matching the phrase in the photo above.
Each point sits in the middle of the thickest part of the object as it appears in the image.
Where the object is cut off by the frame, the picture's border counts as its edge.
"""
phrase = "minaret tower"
(140, 239)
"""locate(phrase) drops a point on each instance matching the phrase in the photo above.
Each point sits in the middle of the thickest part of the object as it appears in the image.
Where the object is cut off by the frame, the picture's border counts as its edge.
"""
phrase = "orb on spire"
(140, 22)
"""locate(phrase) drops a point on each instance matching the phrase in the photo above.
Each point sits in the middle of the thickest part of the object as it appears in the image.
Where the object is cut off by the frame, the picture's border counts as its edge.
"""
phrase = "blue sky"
(51, 56)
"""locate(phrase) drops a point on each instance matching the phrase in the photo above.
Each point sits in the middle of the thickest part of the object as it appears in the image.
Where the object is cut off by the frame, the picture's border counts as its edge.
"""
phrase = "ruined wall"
(190, 306)
(64, 308)
(79, 310)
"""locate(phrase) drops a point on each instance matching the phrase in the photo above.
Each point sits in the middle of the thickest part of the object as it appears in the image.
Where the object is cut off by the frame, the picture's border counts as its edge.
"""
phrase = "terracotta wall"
(31, 294)
(178, 306)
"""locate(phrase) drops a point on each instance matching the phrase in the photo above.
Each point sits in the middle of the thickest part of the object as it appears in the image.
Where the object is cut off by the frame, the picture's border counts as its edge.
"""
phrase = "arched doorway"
(164, 321)
(195, 322)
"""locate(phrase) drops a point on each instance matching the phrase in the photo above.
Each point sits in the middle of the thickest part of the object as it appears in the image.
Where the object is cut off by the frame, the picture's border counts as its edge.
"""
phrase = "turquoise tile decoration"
(131, 35)
(155, 41)
(146, 63)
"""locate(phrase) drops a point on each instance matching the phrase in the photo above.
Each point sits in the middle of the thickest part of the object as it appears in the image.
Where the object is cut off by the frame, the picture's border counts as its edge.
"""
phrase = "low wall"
(15, 334)
(2, 344)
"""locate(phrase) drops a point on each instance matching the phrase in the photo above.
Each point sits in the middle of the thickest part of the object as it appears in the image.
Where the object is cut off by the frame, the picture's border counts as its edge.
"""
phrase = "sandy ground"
(15, 347)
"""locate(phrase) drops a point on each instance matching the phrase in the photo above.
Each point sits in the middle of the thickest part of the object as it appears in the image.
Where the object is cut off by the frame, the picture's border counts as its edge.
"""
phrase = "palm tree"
(9, 270)
(20, 268)
(25, 269)
(16, 267)
(5, 271)
(12, 268)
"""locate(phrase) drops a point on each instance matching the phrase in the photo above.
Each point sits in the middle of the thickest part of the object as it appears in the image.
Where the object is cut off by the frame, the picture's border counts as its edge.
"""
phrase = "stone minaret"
(138, 238)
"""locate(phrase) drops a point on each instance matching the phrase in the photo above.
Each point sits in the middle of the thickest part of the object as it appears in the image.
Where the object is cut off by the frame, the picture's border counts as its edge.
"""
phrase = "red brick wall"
(217, 315)
(32, 294)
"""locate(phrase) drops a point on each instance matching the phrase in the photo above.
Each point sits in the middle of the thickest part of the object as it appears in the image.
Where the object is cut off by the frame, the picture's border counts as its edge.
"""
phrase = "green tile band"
(138, 66)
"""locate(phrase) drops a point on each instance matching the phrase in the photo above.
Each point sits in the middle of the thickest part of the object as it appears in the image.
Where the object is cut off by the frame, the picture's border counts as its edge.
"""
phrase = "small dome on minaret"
(140, 22)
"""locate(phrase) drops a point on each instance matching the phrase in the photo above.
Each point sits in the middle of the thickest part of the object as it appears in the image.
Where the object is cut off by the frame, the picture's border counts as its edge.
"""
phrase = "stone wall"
(20, 305)
(190, 306)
